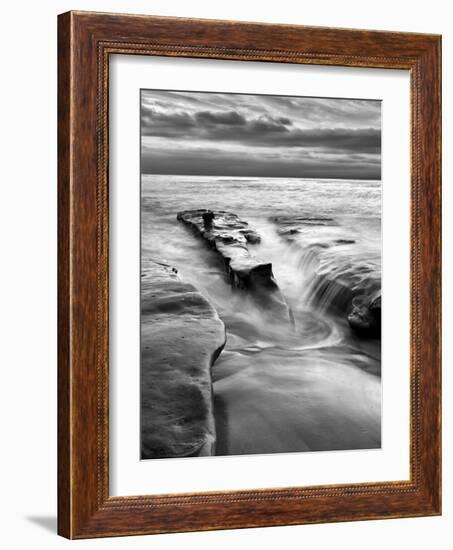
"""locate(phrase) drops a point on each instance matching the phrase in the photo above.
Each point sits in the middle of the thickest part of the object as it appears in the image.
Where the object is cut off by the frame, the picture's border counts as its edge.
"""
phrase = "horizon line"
(270, 177)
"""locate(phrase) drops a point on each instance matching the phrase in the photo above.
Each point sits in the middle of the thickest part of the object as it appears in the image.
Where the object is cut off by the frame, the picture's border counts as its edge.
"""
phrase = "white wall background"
(28, 216)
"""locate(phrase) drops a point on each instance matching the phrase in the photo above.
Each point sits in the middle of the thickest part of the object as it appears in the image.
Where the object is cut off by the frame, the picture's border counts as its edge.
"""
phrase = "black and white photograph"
(260, 268)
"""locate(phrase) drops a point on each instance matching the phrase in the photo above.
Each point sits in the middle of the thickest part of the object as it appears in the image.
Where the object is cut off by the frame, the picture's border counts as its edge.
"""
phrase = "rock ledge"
(230, 237)
(182, 336)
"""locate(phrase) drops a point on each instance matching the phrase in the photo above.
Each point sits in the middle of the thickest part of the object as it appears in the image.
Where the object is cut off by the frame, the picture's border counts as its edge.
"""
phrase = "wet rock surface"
(292, 225)
(365, 317)
(230, 237)
(182, 336)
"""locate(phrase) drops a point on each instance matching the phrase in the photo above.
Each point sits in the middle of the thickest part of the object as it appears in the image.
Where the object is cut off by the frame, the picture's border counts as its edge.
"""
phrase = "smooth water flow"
(306, 385)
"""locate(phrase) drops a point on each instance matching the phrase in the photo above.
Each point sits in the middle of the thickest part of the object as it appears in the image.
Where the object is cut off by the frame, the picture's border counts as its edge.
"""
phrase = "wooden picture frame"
(85, 42)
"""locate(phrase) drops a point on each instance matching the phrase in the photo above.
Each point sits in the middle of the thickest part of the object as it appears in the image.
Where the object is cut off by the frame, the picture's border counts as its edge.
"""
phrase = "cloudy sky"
(195, 133)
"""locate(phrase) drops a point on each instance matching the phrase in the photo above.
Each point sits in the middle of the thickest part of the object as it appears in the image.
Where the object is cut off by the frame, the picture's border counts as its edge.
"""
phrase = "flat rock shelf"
(182, 336)
(230, 237)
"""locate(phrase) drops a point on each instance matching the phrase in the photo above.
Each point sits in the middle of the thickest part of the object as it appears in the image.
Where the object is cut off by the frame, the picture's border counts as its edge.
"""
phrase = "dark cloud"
(230, 118)
(258, 132)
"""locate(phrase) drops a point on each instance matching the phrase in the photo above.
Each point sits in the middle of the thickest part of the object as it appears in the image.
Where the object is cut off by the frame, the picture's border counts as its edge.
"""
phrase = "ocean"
(314, 386)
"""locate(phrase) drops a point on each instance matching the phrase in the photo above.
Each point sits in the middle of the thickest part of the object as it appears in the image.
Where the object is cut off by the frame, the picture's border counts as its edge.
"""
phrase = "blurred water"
(280, 388)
